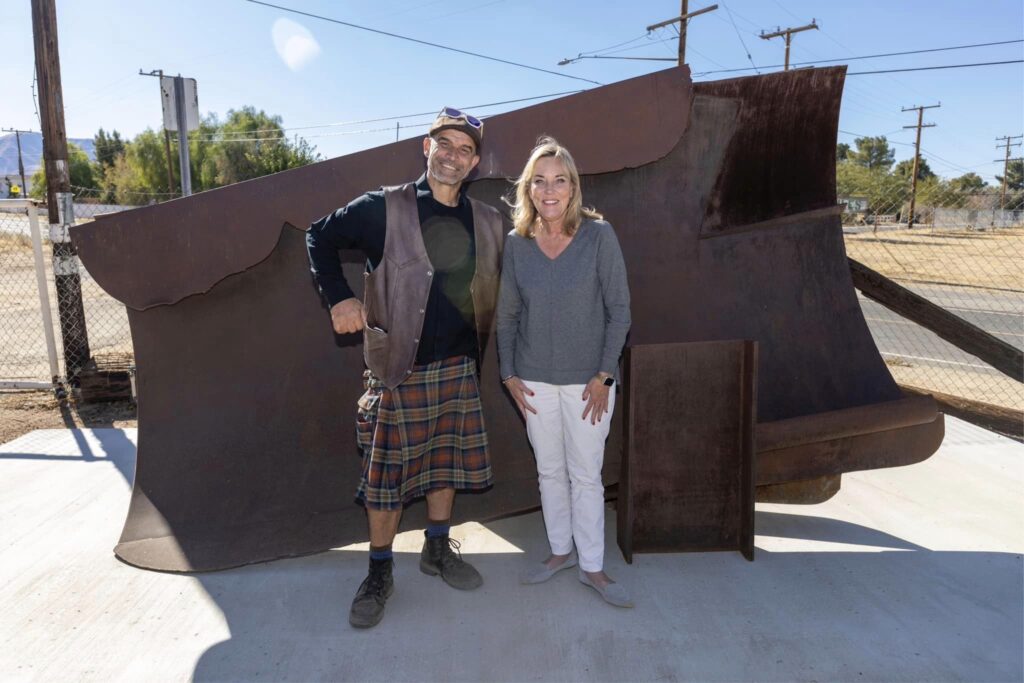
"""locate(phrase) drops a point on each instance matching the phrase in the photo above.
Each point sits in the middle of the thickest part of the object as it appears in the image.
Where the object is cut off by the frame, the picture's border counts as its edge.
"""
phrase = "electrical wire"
(421, 42)
(617, 45)
(729, 12)
(850, 59)
(933, 68)
(409, 116)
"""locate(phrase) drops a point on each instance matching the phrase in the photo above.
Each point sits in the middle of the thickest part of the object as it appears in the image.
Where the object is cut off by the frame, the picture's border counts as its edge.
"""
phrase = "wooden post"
(683, 18)
(965, 336)
(917, 156)
(1006, 165)
(788, 34)
(59, 203)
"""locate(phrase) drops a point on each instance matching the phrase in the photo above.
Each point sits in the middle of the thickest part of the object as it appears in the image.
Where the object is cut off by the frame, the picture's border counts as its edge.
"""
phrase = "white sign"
(169, 102)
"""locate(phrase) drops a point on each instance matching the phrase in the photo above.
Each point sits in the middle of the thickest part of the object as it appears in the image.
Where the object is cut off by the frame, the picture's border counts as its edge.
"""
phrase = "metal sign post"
(181, 114)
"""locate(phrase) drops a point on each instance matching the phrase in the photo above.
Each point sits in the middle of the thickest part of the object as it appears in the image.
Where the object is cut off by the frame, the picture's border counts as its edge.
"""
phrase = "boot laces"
(446, 555)
(375, 581)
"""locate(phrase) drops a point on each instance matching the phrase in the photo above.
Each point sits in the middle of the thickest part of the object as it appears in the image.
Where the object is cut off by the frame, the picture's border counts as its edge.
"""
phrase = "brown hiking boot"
(368, 605)
(438, 558)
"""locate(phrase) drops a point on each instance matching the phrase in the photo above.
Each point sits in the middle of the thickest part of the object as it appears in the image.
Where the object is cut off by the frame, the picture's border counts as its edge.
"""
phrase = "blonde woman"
(562, 319)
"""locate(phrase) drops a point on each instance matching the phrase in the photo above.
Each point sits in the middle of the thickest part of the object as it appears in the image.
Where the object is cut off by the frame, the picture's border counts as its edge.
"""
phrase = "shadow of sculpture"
(904, 613)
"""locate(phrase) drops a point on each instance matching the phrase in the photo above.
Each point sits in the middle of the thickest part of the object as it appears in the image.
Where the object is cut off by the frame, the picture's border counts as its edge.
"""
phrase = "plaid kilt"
(426, 433)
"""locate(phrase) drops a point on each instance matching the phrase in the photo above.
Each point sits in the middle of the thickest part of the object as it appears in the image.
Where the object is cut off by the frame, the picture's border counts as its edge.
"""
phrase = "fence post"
(68, 281)
(44, 297)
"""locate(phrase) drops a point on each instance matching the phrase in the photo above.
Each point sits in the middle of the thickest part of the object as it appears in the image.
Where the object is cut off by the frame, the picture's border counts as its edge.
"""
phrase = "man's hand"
(348, 316)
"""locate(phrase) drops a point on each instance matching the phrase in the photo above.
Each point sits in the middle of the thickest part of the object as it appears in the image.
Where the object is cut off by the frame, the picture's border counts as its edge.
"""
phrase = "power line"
(729, 12)
(612, 47)
(850, 59)
(408, 116)
(421, 42)
(933, 68)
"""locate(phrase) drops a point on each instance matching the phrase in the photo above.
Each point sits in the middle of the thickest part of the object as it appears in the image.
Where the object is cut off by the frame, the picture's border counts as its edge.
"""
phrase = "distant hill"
(31, 152)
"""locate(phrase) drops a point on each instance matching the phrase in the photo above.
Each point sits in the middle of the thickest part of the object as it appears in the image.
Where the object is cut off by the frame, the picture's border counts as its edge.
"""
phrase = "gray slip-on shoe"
(539, 571)
(613, 593)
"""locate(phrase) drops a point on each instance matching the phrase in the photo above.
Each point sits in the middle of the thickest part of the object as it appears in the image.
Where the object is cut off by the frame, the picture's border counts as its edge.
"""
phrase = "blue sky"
(329, 73)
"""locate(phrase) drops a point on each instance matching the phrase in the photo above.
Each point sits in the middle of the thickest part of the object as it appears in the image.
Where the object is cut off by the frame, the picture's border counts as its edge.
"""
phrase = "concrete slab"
(909, 574)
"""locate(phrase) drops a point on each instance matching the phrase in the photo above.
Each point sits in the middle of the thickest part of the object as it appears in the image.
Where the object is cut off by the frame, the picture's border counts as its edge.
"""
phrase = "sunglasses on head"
(453, 113)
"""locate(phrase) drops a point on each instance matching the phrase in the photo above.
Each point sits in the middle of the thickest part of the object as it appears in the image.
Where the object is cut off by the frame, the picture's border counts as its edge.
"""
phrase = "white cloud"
(295, 45)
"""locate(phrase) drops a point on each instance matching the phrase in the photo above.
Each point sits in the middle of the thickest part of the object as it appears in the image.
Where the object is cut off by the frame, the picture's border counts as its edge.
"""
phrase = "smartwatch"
(609, 381)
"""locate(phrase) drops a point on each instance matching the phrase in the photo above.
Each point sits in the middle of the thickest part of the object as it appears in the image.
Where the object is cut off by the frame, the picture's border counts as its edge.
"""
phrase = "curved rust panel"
(776, 165)
(161, 254)
(246, 398)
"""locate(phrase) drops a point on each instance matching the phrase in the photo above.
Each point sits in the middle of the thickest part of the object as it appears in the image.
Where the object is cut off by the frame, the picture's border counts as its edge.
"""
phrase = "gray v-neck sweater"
(563, 320)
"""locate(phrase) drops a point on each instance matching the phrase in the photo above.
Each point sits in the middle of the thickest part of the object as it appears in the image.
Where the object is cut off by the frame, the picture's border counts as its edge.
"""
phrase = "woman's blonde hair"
(524, 214)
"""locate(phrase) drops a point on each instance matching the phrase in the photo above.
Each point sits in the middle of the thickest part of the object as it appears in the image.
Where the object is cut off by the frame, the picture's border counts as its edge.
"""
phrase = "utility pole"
(21, 163)
(788, 33)
(1006, 163)
(684, 16)
(917, 156)
(59, 202)
(159, 73)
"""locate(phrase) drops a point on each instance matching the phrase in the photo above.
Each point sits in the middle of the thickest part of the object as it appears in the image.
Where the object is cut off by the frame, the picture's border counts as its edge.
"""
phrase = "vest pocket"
(375, 350)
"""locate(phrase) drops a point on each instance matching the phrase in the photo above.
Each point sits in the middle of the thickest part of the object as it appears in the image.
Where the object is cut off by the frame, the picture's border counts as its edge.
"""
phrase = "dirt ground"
(24, 411)
(987, 387)
(989, 258)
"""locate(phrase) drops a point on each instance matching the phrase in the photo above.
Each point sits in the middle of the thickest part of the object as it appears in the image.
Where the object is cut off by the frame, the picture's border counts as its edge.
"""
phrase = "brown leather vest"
(395, 294)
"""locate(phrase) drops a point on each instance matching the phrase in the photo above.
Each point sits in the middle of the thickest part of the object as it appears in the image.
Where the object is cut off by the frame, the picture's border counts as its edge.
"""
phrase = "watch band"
(609, 381)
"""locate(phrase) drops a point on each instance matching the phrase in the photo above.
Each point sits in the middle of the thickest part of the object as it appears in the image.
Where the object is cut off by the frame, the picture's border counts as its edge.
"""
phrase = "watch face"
(608, 381)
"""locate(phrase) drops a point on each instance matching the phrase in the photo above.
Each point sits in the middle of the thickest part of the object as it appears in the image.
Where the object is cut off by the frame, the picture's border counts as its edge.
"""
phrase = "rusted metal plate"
(687, 466)
(164, 253)
(246, 398)
(777, 164)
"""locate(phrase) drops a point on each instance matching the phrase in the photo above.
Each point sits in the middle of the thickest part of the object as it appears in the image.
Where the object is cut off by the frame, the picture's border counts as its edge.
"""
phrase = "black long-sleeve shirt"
(448, 324)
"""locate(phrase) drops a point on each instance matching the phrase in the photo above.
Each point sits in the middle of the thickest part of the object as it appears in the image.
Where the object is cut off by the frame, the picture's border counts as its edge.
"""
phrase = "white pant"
(570, 453)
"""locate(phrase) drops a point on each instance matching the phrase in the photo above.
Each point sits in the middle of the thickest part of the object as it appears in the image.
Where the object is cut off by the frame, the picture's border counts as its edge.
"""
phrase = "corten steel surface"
(723, 198)
(687, 463)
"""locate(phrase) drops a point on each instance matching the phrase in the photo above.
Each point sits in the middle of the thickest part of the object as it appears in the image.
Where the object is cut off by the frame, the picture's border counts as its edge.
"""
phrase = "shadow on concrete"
(116, 449)
(904, 613)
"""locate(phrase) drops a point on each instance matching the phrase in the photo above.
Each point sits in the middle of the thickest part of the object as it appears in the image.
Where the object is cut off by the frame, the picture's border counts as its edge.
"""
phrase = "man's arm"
(359, 225)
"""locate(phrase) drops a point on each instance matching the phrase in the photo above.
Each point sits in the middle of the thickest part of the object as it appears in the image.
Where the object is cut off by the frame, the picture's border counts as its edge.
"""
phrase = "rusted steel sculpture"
(723, 196)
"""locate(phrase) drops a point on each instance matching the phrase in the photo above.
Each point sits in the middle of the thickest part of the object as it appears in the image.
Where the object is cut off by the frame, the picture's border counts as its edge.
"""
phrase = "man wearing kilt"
(433, 259)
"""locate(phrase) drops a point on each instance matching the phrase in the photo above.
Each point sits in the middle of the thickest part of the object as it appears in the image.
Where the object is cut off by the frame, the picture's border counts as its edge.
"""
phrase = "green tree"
(108, 147)
(968, 182)
(249, 144)
(843, 151)
(1014, 175)
(906, 167)
(80, 169)
(885, 191)
(873, 153)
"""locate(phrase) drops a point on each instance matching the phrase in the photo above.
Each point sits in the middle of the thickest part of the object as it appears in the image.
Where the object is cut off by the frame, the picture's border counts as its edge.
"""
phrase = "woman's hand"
(519, 393)
(596, 396)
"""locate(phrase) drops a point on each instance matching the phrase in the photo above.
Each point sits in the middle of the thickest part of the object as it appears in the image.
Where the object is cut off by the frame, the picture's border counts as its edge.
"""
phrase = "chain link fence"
(106, 320)
(95, 330)
(25, 318)
(960, 249)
